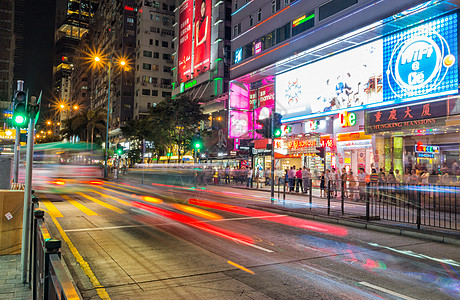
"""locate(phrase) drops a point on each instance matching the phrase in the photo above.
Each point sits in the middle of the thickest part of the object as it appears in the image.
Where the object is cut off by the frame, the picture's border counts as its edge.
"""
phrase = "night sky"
(38, 42)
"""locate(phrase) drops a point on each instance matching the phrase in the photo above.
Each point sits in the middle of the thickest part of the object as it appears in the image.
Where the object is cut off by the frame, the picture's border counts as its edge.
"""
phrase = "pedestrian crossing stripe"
(80, 206)
(106, 205)
(52, 210)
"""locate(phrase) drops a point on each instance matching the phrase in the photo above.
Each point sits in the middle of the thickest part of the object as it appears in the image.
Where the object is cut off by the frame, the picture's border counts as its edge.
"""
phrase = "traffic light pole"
(272, 175)
(17, 141)
(27, 195)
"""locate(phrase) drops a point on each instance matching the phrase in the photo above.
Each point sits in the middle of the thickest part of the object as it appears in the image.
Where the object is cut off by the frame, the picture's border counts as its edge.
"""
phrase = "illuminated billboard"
(202, 41)
(185, 41)
(417, 63)
(348, 79)
(421, 61)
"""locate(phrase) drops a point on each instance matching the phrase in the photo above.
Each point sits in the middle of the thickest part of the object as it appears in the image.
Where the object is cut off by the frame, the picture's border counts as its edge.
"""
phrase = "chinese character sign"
(185, 41)
(202, 31)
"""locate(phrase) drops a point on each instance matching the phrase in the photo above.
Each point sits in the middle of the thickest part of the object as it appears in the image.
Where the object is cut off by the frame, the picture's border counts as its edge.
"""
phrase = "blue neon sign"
(238, 55)
(421, 61)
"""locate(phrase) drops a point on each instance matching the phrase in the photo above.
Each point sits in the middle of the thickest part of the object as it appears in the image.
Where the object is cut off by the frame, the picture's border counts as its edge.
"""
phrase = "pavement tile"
(11, 286)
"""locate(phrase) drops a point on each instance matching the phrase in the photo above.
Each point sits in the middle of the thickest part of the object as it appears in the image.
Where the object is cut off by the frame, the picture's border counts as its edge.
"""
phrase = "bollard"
(419, 209)
(284, 193)
(34, 205)
(52, 246)
(367, 202)
(310, 191)
(328, 197)
(38, 215)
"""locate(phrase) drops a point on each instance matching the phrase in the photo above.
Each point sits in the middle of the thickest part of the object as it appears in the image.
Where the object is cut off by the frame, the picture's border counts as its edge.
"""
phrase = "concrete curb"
(439, 237)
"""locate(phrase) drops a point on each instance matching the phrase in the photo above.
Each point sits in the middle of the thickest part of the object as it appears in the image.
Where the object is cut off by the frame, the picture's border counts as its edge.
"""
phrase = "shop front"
(421, 137)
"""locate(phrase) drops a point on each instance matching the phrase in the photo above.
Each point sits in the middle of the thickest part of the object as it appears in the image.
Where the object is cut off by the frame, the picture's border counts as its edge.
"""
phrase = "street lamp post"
(108, 119)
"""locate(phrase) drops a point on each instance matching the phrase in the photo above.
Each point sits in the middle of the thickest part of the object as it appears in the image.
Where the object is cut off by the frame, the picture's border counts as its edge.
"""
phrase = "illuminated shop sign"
(238, 55)
(425, 155)
(299, 144)
(302, 19)
(411, 116)
(257, 47)
(426, 149)
(411, 64)
(347, 119)
(421, 61)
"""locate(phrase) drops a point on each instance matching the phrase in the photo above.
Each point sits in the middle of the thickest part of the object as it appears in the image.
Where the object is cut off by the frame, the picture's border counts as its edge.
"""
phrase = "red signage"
(185, 41)
(202, 30)
(293, 145)
(267, 95)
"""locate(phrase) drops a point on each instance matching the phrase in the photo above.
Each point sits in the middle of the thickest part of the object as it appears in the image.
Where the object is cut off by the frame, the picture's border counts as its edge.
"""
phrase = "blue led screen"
(421, 62)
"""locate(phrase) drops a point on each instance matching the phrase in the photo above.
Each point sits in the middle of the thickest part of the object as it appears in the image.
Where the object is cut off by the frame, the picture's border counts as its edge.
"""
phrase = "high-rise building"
(72, 23)
(154, 54)
(6, 52)
(202, 62)
(114, 38)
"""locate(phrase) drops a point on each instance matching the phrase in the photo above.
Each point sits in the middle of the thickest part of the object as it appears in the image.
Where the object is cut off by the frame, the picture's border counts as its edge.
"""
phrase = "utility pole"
(17, 141)
(32, 109)
(272, 175)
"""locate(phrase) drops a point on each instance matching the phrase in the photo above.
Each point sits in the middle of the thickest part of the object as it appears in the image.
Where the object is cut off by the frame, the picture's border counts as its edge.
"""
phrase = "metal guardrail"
(46, 271)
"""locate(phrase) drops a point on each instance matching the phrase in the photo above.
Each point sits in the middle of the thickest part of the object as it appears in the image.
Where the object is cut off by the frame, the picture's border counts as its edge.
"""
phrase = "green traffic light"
(197, 145)
(19, 119)
(277, 132)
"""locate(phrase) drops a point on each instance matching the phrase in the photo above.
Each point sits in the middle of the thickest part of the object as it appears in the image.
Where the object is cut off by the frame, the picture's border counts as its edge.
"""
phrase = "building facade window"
(164, 44)
(154, 92)
(166, 69)
(166, 94)
(155, 67)
(156, 55)
(147, 66)
(145, 92)
(259, 15)
(147, 53)
(251, 20)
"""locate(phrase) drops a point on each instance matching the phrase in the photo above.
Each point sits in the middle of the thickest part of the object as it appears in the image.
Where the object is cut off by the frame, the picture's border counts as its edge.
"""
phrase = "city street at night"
(127, 242)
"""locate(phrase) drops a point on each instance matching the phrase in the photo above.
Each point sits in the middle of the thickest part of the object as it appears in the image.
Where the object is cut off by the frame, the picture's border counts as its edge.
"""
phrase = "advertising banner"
(240, 124)
(185, 41)
(422, 61)
(417, 63)
(202, 43)
(348, 79)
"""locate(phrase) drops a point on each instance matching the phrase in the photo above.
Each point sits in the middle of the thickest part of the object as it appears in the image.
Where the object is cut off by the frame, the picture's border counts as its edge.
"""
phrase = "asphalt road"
(167, 242)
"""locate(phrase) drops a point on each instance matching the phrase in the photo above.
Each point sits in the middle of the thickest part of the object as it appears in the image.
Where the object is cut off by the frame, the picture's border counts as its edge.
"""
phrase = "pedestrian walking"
(306, 179)
(322, 184)
(344, 179)
(291, 179)
(362, 184)
(298, 176)
(249, 177)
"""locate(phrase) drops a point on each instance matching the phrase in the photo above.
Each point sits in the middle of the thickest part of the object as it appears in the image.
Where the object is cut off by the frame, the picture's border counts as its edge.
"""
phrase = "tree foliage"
(86, 124)
(170, 123)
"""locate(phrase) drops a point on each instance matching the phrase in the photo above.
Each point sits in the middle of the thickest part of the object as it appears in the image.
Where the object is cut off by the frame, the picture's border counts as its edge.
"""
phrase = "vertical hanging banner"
(185, 41)
(202, 42)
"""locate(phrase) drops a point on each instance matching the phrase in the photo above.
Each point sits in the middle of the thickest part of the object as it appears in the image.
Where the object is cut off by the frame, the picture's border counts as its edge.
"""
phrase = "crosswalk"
(86, 203)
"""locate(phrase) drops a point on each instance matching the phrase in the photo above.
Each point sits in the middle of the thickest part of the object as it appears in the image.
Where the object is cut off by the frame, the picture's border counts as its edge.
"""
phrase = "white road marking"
(255, 246)
(375, 287)
(104, 228)
(247, 218)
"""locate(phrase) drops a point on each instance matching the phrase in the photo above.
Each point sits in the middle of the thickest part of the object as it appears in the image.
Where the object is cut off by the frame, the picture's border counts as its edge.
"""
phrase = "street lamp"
(122, 62)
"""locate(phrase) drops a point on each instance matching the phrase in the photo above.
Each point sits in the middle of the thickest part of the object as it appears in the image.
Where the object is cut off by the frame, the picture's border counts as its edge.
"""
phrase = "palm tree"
(87, 123)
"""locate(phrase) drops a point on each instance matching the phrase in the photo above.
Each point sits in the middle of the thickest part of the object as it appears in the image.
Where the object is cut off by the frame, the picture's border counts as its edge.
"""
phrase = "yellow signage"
(352, 136)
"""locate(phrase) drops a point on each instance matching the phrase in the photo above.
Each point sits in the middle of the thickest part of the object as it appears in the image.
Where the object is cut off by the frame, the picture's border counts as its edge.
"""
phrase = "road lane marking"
(102, 203)
(83, 264)
(375, 287)
(105, 228)
(113, 198)
(80, 206)
(255, 246)
(240, 267)
(114, 191)
(52, 210)
(249, 218)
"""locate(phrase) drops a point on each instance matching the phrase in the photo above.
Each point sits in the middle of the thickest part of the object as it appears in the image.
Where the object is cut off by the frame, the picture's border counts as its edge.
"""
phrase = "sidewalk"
(11, 286)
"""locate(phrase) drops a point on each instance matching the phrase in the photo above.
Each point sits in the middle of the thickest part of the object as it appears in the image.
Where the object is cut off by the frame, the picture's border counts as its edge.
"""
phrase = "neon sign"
(299, 144)
(238, 55)
(426, 149)
(347, 119)
(421, 61)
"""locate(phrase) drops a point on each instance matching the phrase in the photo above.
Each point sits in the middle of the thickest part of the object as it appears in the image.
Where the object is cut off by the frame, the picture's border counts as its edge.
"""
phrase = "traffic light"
(197, 142)
(20, 115)
(322, 151)
(265, 131)
(119, 149)
(277, 125)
